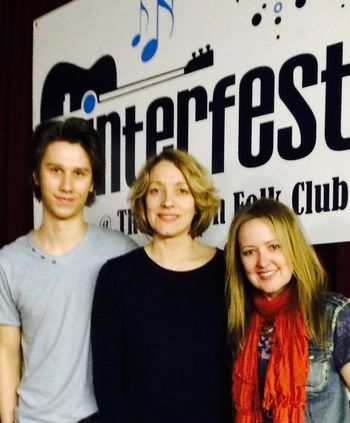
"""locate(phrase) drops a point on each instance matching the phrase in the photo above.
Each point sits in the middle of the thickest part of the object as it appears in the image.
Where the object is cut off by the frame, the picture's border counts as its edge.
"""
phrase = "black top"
(159, 342)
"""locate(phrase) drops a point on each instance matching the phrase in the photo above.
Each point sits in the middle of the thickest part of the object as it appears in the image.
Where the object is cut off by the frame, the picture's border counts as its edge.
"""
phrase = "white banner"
(258, 91)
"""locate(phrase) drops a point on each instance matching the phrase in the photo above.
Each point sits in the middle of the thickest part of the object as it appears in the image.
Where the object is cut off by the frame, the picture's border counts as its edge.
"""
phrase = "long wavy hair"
(309, 277)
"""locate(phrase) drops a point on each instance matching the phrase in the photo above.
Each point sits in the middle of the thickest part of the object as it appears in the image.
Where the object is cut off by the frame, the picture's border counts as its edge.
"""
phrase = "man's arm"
(10, 371)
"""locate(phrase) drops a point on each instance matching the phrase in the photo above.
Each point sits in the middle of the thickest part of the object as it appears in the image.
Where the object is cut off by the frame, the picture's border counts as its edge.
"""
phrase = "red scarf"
(285, 384)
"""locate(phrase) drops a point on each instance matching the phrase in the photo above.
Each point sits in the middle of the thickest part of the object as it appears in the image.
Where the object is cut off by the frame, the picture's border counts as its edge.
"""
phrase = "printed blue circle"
(89, 102)
(278, 7)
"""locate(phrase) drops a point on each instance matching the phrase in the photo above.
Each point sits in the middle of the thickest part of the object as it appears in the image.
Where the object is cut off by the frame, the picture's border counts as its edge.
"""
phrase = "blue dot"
(278, 7)
(89, 102)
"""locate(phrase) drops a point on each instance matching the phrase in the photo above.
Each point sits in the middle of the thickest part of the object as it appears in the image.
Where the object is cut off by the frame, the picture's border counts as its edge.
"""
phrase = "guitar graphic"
(68, 88)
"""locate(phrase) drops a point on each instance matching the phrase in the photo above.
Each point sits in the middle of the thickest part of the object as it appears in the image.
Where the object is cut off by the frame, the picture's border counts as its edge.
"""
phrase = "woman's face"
(263, 259)
(170, 205)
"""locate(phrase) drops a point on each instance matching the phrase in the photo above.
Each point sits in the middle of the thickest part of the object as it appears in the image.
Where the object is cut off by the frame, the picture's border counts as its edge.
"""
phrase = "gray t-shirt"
(50, 298)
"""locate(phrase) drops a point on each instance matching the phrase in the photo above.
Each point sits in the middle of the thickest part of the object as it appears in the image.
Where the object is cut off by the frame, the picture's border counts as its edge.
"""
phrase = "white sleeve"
(9, 314)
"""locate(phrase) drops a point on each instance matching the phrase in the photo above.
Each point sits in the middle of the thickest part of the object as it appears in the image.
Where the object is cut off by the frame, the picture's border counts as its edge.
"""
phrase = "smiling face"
(263, 259)
(170, 206)
(65, 179)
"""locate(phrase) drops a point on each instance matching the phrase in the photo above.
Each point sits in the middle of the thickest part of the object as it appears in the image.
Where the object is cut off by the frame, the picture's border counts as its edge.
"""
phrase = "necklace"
(164, 262)
(268, 328)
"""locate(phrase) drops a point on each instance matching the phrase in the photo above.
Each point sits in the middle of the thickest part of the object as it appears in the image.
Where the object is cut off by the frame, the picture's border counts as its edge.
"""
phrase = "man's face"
(65, 178)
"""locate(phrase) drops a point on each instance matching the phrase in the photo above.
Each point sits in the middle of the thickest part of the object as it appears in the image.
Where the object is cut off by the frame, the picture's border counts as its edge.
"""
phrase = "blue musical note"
(137, 37)
(151, 47)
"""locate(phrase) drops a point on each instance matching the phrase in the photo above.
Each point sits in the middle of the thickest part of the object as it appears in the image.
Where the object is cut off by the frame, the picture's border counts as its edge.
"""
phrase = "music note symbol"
(137, 37)
(151, 46)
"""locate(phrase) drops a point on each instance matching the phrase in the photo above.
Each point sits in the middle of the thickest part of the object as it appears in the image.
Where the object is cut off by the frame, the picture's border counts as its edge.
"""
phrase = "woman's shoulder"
(133, 257)
(336, 300)
(219, 255)
(214, 260)
(209, 252)
(120, 271)
(337, 310)
(207, 255)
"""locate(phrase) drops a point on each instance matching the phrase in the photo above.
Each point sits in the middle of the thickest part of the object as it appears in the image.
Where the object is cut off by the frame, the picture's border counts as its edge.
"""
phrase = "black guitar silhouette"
(66, 79)
(66, 85)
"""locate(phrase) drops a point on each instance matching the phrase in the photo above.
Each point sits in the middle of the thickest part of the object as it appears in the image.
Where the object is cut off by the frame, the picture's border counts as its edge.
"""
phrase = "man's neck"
(57, 237)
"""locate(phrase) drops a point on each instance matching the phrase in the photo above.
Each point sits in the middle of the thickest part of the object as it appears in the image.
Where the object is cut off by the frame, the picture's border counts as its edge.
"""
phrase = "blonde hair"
(309, 276)
(198, 180)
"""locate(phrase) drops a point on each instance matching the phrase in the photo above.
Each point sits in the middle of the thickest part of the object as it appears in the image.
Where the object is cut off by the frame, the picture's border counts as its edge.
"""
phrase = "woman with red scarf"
(290, 337)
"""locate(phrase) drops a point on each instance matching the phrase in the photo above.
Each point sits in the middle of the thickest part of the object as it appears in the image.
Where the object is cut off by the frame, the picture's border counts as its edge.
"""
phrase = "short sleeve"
(9, 314)
(342, 338)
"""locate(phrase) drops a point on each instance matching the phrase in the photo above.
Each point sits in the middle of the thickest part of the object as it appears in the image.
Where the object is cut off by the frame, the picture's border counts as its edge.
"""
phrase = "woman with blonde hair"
(290, 337)
(158, 321)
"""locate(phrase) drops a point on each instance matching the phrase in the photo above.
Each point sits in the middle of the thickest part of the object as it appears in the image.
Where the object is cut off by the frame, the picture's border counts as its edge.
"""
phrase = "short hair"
(73, 130)
(309, 277)
(199, 181)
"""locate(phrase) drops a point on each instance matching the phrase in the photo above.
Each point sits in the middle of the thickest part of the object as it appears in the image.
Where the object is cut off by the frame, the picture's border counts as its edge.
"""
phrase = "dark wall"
(16, 35)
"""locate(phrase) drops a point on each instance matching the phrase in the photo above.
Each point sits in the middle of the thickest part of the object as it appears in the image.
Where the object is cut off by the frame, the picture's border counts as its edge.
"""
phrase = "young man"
(47, 281)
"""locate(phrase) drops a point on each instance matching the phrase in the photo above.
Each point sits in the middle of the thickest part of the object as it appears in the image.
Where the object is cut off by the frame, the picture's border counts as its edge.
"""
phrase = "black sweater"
(159, 342)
